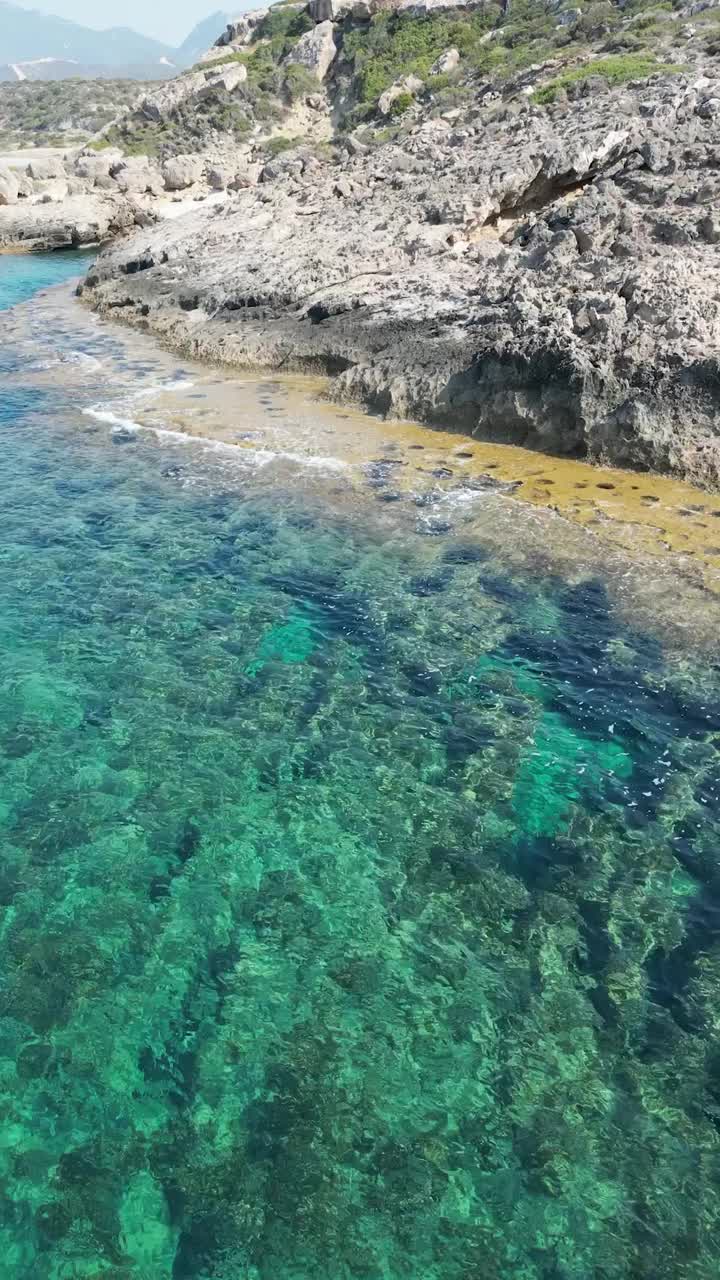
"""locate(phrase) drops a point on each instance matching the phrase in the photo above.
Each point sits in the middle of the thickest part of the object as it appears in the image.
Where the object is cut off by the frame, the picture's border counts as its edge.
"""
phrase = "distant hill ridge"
(39, 46)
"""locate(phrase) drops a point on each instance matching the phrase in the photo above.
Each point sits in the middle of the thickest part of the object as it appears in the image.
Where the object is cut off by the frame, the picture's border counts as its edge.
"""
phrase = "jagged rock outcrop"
(162, 101)
(408, 86)
(237, 33)
(45, 168)
(9, 189)
(544, 277)
(182, 172)
(85, 218)
(316, 50)
(137, 175)
(532, 257)
(91, 167)
(447, 62)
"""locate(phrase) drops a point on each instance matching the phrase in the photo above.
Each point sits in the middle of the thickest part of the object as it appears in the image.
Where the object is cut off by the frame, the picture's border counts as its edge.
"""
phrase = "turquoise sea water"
(22, 276)
(359, 886)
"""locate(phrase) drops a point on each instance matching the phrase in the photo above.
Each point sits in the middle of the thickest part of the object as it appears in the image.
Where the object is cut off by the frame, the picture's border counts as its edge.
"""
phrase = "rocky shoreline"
(546, 282)
(540, 274)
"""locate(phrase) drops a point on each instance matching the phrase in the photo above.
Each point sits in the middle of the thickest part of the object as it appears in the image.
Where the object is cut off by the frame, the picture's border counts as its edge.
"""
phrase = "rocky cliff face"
(524, 252)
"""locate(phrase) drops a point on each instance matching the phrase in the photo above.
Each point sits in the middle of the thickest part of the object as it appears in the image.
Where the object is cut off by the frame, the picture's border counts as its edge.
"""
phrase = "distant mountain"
(38, 46)
(27, 36)
(202, 37)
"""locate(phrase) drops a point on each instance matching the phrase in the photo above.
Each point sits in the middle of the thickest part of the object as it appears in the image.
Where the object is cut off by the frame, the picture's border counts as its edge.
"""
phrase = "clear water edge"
(359, 869)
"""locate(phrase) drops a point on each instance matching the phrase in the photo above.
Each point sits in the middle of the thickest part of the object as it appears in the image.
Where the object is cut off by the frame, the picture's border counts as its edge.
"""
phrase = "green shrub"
(624, 42)
(634, 7)
(46, 112)
(392, 47)
(299, 82)
(527, 22)
(454, 95)
(282, 29)
(616, 70)
(277, 145)
(401, 104)
(137, 139)
(598, 18)
(438, 83)
(222, 60)
(379, 137)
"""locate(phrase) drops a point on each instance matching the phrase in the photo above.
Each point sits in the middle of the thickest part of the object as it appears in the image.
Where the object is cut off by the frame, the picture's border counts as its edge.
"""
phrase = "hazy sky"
(167, 20)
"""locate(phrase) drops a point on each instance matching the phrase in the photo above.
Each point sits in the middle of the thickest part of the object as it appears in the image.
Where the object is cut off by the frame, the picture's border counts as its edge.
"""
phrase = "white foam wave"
(258, 458)
(265, 456)
(111, 419)
(465, 497)
(81, 358)
(175, 384)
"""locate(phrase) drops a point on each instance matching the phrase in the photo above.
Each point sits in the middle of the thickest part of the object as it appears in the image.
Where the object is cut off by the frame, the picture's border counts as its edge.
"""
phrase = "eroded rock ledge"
(550, 281)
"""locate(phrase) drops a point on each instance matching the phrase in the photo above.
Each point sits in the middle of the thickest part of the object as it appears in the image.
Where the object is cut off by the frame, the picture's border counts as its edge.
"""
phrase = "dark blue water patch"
(16, 404)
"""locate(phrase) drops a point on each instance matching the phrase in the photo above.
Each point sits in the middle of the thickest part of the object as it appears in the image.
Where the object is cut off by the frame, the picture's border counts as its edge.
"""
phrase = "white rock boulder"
(316, 51)
(409, 84)
(45, 168)
(446, 63)
(97, 166)
(247, 175)
(160, 102)
(219, 177)
(334, 10)
(182, 172)
(9, 189)
(136, 175)
(237, 33)
(230, 76)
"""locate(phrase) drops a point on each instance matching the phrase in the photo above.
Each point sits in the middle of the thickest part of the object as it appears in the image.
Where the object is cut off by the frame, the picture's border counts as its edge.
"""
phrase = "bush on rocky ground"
(394, 46)
(494, 45)
(614, 70)
(61, 111)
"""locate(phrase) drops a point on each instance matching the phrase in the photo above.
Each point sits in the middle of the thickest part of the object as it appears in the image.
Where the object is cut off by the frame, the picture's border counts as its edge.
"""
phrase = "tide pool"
(358, 871)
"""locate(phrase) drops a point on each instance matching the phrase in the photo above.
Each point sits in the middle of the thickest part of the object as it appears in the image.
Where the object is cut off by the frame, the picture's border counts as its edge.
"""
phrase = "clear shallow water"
(21, 275)
(359, 875)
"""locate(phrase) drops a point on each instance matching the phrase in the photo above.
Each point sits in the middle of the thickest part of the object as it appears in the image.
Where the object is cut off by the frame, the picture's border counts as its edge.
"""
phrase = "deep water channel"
(359, 856)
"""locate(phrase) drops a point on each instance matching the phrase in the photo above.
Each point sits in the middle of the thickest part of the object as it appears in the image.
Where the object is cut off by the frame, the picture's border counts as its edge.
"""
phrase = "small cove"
(358, 839)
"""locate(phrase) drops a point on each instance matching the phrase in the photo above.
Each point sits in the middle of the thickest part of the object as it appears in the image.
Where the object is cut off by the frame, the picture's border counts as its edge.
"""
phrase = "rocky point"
(503, 221)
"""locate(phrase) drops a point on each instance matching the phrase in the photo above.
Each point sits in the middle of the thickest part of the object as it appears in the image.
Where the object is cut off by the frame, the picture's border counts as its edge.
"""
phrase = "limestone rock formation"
(162, 101)
(182, 172)
(46, 168)
(237, 33)
(78, 219)
(137, 175)
(8, 187)
(447, 62)
(229, 77)
(548, 278)
(486, 219)
(408, 86)
(315, 51)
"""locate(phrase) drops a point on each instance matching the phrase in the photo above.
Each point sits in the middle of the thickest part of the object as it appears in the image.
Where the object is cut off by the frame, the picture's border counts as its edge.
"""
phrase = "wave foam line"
(260, 457)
